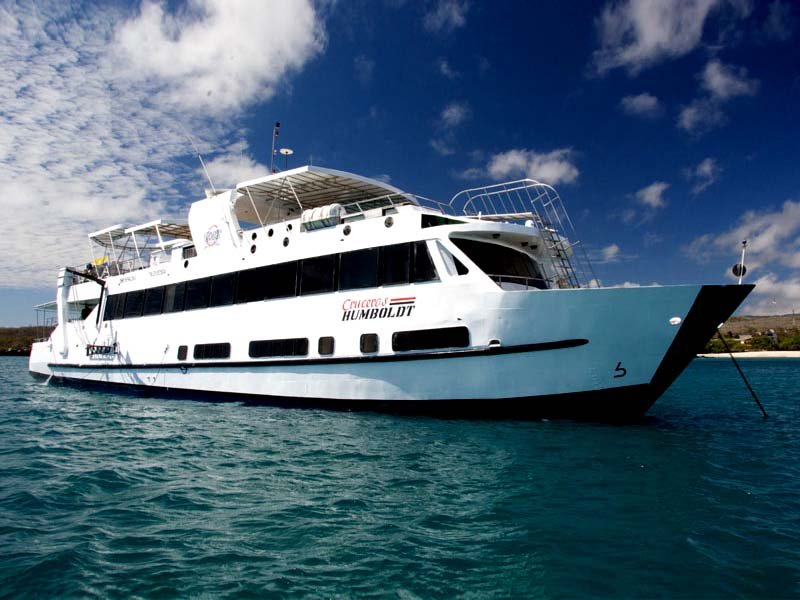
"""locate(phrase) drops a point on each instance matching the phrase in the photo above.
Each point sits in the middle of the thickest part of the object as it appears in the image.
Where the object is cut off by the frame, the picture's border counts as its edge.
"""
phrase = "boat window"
(210, 351)
(189, 252)
(222, 289)
(182, 352)
(359, 269)
(133, 304)
(152, 301)
(251, 285)
(174, 297)
(369, 343)
(317, 274)
(436, 220)
(503, 264)
(423, 265)
(430, 339)
(451, 263)
(197, 293)
(119, 313)
(280, 280)
(325, 346)
(395, 264)
(284, 347)
(112, 302)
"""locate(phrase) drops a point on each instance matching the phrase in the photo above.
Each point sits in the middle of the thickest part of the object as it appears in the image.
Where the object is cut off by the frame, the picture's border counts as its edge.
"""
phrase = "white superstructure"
(319, 286)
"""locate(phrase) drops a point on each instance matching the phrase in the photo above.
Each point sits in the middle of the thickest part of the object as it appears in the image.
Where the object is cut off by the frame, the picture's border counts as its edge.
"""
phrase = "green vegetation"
(786, 340)
(18, 340)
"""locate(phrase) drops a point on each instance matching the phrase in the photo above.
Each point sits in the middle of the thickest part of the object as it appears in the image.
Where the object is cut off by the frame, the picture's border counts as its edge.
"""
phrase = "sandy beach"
(758, 354)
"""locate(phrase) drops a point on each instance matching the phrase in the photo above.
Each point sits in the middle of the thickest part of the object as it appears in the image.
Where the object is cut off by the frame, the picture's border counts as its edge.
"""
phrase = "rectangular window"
(280, 281)
(369, 343)
(112, 302)
(325, 346)
(285, 347)
(359, 269)
(211, 351)
(430, 339)
(503, 264)
(152, 301)
(251, 285)
(133, 304)
(174, 297)
(395, 263)
(317, 274)
(182, 352)
(197, 293)
(423, 265)
(222, 289)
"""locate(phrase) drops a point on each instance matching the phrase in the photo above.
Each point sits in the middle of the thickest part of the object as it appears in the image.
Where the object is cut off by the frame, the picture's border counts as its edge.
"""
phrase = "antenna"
(275, 133)
(202, 164)
(287, 152)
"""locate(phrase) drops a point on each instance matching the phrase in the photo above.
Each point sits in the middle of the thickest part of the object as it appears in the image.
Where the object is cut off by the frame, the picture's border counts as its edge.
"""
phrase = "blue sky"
(670, 128)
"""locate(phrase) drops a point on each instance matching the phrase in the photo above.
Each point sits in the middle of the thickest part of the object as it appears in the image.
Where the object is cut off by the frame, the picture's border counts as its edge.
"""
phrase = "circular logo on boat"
(212, 236)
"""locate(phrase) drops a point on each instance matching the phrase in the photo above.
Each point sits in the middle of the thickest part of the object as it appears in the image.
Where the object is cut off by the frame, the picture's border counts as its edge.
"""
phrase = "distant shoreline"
(755, 354)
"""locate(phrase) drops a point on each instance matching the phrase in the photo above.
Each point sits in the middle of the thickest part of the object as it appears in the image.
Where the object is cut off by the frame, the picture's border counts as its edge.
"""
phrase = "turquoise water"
(104, 495)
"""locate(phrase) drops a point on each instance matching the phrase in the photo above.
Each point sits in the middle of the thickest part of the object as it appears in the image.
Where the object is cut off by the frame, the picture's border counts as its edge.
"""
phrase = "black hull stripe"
(491, 351)
(621, 404)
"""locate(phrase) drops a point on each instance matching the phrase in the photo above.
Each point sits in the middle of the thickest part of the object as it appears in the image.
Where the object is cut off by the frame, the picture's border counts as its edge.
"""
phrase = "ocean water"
(105, 495)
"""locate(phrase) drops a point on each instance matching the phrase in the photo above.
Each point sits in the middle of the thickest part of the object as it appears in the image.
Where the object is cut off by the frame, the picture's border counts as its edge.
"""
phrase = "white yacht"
(315, 286)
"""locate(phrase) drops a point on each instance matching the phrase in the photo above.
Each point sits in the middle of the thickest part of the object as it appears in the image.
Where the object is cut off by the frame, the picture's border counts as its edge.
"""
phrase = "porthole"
(253, 249)
(346, 230)
(185, 264)
(270, 232)
(388, 221)
(285, 241)
(289, 227)
(254, 236)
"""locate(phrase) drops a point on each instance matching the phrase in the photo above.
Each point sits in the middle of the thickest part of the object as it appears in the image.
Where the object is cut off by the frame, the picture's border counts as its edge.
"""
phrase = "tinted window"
(423, 265)
(436, 220)
(222, 289)
(325, 346)
(369, 342)
(174, 296)
(359, 269)
(182, 351)
(317, 274)
(111, 306)
(284, 347)
(502, 262)
(395, 264)
(281, 280)
(119, 312)
(152, 301)
(251, 286)
(429, 339)
(207, 351)
(197, 293)
(133, 303)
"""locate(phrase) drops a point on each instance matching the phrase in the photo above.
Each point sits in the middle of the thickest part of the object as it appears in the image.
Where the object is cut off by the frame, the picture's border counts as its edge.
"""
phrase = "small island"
(757, 337)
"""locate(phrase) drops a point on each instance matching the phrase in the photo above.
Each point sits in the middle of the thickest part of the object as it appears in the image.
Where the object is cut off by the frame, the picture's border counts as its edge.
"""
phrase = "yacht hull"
(587, 353)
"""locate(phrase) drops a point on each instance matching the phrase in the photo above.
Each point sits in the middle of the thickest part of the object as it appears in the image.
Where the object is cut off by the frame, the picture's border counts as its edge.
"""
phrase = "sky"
(669, 127)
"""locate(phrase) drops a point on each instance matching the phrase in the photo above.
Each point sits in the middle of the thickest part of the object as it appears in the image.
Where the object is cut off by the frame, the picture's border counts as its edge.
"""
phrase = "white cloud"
(446, 16)
(610, 253)
(454, 114)
(652, 196)
(700, 116)
(705, 174)
(442, 146)
(219, 55)
(635, 34)
(446, 70)
(773, 238)
(641, 105)
(548, 167)
(88, 140)
(721, 83)
(774, 296)
(779, 24)
(234, 166)
(364, 68)
(724, 82)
